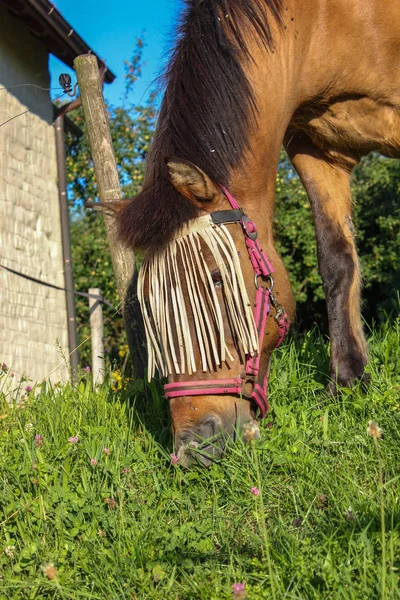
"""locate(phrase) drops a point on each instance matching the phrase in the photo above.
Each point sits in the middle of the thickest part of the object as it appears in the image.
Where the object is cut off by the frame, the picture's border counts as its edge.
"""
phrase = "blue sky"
(111, 28)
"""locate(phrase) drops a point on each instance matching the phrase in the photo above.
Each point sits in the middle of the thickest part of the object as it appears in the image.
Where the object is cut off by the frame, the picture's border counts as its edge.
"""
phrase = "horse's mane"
(205, 114)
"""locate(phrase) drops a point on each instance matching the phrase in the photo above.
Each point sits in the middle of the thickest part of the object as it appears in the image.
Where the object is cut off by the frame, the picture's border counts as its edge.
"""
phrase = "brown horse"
(320, 77)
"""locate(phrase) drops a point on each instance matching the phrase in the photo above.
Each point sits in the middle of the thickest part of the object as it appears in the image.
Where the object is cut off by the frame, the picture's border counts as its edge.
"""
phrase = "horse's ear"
(191, 181)
(112, 209)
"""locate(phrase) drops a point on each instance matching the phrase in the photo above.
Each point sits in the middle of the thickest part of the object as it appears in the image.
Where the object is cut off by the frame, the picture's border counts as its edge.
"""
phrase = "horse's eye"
(216, 277)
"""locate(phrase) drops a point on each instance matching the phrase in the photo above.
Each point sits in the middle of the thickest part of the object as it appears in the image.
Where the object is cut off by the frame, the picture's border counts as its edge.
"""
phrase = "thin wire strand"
(33, 108)
(12, 87)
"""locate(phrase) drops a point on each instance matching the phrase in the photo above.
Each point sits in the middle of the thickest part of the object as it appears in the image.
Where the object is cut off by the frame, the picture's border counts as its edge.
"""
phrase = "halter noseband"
(264, 298)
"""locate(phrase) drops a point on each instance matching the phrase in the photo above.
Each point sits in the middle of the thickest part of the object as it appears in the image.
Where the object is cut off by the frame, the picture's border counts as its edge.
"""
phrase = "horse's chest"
(354, 124)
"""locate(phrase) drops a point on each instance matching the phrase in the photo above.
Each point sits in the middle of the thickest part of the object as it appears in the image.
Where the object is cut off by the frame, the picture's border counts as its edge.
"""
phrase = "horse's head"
(206, 299)
(209, 308)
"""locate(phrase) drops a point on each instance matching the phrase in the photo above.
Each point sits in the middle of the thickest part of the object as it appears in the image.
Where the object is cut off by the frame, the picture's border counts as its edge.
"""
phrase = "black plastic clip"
(65, 82)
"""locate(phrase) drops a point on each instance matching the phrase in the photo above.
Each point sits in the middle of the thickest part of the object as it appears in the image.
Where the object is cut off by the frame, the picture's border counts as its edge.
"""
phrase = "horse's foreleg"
(328, 188)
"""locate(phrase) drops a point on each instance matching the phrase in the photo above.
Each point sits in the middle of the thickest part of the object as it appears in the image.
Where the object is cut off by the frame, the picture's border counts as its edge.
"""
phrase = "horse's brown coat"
(326, 84)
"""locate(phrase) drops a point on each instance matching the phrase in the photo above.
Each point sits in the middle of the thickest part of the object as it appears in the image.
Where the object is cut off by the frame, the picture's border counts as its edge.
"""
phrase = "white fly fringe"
(174, 314)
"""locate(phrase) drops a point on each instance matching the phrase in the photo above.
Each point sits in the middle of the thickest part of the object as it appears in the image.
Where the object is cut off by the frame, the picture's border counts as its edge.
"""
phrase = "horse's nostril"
(203, 444)
(209, 427)
(195, 453)
(206, 429)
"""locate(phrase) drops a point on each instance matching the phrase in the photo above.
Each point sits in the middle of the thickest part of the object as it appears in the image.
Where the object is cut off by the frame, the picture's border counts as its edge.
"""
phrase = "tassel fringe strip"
(181, 308)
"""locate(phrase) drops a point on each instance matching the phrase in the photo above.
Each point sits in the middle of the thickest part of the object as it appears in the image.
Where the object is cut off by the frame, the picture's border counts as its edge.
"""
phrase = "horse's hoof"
(333, 387)
(365, 380)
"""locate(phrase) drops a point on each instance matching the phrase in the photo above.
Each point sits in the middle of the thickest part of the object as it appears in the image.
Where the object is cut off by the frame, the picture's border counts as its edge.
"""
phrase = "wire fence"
(55, 287)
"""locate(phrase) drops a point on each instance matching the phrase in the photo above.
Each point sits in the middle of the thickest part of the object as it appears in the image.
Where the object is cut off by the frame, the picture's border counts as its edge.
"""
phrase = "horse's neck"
(254, 181)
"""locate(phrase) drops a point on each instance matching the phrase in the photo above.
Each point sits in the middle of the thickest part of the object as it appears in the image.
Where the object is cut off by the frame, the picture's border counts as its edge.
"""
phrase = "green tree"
(131, 131)
(376, 189)
(295, 240)
(376, 193)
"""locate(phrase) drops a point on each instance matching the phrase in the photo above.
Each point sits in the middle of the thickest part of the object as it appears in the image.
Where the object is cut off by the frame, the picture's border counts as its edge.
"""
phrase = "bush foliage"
(376, 188)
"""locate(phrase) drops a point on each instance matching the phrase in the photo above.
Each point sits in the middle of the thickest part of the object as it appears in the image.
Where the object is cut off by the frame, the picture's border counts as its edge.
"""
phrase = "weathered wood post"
(97, 336)
(98, 131)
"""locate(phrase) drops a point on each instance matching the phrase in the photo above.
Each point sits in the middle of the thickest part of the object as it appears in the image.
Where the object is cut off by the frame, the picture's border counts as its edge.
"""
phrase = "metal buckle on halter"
(250, 234)
(271, 284)
(279, 309)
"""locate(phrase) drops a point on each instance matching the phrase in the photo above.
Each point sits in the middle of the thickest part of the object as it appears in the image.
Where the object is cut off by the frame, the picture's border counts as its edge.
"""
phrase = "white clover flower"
(9, 551)
(374, 430)
(49, 570)
(29, 427)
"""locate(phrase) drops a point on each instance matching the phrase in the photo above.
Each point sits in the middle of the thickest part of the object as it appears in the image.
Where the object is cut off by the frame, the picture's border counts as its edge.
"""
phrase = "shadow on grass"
(147, 399)
(150, 409)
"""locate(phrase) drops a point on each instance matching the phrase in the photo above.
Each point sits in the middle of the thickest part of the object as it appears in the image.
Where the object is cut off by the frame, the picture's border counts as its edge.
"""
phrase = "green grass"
(315, 531)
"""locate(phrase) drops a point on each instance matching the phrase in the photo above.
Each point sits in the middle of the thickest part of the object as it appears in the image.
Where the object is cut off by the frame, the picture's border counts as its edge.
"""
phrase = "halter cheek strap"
(264, 298)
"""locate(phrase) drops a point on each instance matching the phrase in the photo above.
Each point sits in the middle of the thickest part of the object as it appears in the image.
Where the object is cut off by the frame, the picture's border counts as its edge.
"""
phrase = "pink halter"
(264, 297)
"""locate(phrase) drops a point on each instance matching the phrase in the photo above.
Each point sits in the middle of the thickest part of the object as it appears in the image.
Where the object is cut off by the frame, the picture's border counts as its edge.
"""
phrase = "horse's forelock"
(150, 220)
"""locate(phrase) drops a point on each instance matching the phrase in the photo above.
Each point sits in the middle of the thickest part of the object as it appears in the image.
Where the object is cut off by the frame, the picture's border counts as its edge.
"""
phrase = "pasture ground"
(91, 506)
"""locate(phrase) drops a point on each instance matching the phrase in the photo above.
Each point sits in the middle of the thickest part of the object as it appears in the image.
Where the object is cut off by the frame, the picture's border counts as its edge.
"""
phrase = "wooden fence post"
(97, 336)
(99, 136)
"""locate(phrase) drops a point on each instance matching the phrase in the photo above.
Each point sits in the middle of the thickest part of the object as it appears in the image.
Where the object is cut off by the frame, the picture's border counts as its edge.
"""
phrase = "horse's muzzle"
(205, 443)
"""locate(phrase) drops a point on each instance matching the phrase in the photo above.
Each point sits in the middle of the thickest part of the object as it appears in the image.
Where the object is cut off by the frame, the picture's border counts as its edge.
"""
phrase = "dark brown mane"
(205, 113)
